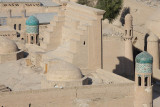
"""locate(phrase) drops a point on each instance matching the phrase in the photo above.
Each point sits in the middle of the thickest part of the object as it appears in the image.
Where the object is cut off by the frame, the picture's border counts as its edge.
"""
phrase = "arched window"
(139, 81)
(146, 81)
(130, 33)
(19, 26)
(15, 26)
(125, 32)
(84, 43)
(27, 39)
(32, 39)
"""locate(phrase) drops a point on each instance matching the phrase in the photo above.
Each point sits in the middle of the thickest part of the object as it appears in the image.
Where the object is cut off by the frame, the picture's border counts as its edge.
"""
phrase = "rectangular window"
(139, 81)
(130, 33)
(19, 26)
(125, 32)
(146, 81)
(15, 26)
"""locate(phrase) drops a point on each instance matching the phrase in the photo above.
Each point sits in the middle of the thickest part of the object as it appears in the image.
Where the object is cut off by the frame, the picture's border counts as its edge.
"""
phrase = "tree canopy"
(112, 7)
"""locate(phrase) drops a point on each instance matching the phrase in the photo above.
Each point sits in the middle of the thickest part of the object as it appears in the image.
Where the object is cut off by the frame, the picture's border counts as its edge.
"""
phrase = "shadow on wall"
(125, 11)
(26, 54)
(156, 91)
(145, 42)
(122, 68)
(159, 50)
(136, 51)
(22, 55)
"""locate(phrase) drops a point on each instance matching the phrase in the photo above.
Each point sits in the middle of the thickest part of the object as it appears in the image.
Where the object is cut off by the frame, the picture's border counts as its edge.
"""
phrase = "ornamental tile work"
(32, 29)
(144, 57)
(143, 68)
(144, 63)
(32, 21)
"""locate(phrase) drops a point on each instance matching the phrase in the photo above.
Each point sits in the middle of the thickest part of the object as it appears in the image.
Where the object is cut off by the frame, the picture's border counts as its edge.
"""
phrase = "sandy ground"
(19, 77)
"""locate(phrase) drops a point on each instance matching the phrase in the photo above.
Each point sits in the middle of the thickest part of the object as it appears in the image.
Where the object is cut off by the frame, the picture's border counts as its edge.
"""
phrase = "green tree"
(112, 7)
(83, 2)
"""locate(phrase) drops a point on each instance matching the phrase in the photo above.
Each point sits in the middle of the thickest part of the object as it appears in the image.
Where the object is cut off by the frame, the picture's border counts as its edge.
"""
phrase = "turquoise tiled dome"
(144, 57)
(32, 21)
(144, 63)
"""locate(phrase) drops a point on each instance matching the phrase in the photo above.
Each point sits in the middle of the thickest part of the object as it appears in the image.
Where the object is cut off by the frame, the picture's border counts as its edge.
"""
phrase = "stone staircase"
(72, 30)
(54, 26)
(80, 33)
(68, 48)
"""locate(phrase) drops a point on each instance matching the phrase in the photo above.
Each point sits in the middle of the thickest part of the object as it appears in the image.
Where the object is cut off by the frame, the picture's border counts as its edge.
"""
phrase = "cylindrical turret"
(129, 68)
(128, 26)
(143, 75)
(32, 30)
(153, 49)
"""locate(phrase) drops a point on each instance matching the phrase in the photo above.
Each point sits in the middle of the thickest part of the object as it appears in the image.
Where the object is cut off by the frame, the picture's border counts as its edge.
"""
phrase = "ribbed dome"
(63, 71)
(32, 21)
(7, 46)
(143, 58)
(152, 38)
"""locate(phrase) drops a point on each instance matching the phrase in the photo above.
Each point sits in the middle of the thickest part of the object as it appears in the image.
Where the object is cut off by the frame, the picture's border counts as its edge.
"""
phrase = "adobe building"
(120, 58)
(69, 62)
(106, 87)
(72, 40)
(9, 50)
(8, 32)
(17, 22)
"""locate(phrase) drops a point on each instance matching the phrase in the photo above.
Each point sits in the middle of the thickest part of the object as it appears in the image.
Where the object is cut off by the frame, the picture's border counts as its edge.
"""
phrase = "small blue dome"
(32, 21)
(143, 58)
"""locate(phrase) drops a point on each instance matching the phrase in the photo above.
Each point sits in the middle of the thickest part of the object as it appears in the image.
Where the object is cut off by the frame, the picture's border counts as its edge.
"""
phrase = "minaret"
(128, 44)
(32, 30)
(153, 49)
(143, 75)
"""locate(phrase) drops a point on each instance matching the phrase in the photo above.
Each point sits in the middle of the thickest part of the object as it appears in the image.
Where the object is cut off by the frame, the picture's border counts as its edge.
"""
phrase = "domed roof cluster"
(143, 58)
(32, 21)
(60, 70)
(7, 46)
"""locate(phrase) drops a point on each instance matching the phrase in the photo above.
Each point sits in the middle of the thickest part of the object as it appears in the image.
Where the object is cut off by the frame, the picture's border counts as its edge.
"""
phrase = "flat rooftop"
(44, 17)
(107, 77)
(18, 77)
(46, 3)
